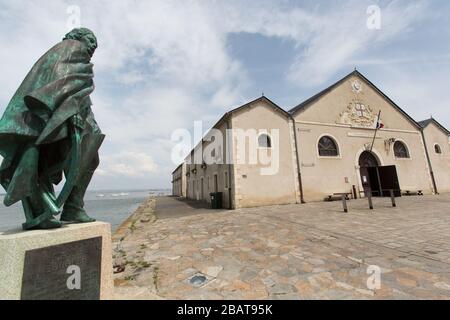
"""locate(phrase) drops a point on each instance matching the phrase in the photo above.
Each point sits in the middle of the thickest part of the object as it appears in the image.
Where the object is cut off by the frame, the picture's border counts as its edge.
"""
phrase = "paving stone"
(442, 286)
(308, 251)
(287, 296)
(315, 261)
(269, 281)
(213, 271)
(154, 246)
(249, 274)
(282, 288)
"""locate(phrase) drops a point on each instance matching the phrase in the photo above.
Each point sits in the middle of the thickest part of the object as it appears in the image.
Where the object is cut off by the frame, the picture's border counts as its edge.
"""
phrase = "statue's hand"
(78, 121)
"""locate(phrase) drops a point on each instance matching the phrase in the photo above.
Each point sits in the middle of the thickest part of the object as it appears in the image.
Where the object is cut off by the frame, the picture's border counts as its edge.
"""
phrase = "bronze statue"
(48, 129)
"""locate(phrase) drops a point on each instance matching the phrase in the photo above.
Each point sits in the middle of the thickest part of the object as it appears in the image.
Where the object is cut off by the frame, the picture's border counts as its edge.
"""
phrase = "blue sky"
(161, 65)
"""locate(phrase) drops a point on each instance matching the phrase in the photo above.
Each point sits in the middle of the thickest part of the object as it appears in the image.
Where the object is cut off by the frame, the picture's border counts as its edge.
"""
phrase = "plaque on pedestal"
(71, 263)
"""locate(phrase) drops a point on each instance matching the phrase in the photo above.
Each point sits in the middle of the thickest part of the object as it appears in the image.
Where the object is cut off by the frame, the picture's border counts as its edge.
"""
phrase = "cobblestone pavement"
(310, 251)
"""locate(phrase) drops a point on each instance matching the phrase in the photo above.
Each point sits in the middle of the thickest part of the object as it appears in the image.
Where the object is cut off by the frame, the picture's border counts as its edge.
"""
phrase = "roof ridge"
(426, 122)
(307, 102)
(324, 91)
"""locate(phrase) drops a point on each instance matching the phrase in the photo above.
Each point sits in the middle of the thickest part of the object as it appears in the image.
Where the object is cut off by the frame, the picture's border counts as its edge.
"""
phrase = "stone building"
(437, 146)
(179, 181)
(328, 144)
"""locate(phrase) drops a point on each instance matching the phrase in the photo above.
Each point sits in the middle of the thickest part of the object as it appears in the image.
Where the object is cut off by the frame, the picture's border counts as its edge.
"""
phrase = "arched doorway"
(370, 178)
(368, 159)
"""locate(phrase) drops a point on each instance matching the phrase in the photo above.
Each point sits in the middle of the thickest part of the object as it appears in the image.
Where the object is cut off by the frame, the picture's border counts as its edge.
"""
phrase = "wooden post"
(369, 197)
(344, 203)
(392, 198)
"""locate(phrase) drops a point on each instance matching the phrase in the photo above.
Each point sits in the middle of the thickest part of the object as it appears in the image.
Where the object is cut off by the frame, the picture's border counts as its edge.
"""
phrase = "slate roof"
(263, 98)
(248, 104)
(425, 123)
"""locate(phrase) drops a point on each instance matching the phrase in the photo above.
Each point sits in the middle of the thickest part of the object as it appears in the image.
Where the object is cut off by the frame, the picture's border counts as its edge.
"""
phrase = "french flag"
(380, 125)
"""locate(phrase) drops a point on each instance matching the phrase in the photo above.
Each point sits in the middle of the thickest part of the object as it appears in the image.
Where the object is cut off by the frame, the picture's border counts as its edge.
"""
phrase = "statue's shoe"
(48, 224)
(76, 217)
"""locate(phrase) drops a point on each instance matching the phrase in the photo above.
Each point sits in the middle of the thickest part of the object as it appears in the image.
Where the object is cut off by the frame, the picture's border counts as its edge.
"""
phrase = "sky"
(161, 65)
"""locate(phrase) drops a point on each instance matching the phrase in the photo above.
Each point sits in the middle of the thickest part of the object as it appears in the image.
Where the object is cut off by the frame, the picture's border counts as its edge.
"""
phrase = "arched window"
(328, 147)
(264, 141)
(400, 150)
(437, 149)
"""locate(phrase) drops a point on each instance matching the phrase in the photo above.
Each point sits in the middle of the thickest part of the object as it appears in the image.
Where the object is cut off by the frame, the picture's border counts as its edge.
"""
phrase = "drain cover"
(198, 280)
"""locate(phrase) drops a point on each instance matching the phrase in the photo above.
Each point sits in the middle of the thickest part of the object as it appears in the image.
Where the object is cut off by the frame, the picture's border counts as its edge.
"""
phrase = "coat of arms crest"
(358, 114)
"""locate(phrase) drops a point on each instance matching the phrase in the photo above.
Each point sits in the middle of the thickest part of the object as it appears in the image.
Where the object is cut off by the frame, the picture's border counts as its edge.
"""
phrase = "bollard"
(369, 197)
(392, 198)
(344, 203)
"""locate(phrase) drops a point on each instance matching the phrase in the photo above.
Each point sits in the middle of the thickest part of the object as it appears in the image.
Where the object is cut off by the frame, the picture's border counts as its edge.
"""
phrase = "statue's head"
(84, 35)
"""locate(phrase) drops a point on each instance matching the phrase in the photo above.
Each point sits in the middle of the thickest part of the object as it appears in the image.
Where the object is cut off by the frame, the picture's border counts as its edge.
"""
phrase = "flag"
(380, 125)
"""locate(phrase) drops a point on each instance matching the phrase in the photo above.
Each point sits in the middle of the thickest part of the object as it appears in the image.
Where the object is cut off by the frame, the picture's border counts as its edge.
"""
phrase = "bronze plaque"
(69, 271)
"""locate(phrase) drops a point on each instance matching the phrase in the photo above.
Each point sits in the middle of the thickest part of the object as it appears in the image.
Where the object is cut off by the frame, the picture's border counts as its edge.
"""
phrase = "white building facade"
(326, 145)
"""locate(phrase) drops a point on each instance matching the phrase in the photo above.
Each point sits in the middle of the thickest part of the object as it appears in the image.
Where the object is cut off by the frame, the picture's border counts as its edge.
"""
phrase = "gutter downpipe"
(229, 148)
(302, 199)
(429, 162)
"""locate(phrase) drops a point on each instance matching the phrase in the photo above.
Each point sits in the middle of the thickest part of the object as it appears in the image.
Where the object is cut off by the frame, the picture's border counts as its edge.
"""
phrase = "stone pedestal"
(73, 262)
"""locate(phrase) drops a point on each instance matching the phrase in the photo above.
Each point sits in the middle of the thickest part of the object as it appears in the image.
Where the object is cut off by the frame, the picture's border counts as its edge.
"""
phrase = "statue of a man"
(47, 130)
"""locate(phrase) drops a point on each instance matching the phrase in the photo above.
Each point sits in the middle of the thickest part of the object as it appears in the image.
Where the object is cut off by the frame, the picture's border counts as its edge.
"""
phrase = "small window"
(328, 147)
(264, 141)
(400, 150)
(437, 149)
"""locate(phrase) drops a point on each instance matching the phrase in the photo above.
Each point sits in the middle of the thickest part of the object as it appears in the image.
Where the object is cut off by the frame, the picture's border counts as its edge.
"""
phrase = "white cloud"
(128, 164)
(420, 90)
(343, 36)
(161, 65)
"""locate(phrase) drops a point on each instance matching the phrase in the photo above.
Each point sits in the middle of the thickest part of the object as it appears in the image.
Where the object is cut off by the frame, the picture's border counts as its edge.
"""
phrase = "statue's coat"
(56, 88)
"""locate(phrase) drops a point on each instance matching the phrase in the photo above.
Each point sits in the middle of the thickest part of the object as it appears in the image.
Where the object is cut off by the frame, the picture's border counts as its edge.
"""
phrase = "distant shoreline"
(125, 223)
(116, 190)
(146, 208)
(112, 206)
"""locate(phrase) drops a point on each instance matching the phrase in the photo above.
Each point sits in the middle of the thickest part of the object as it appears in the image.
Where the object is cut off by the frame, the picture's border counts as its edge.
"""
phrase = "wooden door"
(389, 180)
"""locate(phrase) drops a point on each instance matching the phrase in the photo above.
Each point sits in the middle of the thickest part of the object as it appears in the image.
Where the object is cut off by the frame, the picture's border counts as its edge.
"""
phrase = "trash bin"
(216, 200)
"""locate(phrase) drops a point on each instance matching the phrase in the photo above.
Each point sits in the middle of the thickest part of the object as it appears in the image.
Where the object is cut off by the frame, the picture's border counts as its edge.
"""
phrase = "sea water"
(106, 205)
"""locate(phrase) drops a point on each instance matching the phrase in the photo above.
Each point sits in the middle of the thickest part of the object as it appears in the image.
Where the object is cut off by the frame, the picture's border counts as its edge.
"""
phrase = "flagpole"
(376, 130)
